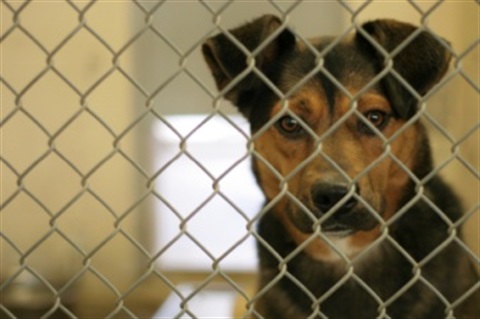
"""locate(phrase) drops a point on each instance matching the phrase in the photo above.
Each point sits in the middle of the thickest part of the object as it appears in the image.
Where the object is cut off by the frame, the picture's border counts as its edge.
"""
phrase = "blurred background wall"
(82, 83)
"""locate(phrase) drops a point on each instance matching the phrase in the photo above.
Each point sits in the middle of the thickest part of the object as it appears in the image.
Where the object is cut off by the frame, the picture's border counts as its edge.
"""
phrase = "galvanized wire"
(149, 178)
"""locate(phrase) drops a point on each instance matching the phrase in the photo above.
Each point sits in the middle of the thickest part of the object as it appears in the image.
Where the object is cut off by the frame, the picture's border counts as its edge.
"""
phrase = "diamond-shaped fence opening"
(95, 56)
(39, 105)
(21, 158)
(126, 173)
(68, 145)
(49, 29)
(117, 117)
(25, 63)
(108, 32)
(13, 214)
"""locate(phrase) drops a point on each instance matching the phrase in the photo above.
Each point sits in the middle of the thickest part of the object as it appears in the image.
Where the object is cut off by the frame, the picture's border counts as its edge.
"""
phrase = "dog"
(355, 225)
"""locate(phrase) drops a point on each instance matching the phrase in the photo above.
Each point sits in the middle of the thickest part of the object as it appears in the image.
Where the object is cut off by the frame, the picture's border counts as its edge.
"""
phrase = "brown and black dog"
(355, 226)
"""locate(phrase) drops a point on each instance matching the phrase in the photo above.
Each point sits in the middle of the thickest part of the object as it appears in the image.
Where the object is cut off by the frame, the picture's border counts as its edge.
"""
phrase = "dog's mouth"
(336, 225)
(337, 230)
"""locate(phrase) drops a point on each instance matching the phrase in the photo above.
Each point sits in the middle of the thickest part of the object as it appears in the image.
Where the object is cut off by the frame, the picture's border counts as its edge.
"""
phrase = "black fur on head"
(421, 62)
(226, 60)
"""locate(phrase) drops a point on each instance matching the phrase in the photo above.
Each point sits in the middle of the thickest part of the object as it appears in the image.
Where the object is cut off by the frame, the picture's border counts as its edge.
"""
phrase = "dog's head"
(328, 120)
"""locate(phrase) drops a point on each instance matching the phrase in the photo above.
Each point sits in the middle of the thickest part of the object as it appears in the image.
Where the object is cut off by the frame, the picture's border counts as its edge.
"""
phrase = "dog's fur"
(349, 213)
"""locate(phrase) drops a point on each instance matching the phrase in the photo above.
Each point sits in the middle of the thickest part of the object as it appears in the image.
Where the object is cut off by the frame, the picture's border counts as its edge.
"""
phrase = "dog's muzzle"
(345, 219)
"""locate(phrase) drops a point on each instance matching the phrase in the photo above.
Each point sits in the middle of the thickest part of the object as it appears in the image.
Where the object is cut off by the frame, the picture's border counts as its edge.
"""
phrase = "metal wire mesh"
(42, 158)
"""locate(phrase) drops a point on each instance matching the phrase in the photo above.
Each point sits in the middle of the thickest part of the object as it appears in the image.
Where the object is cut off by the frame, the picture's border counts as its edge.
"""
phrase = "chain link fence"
(82, 85)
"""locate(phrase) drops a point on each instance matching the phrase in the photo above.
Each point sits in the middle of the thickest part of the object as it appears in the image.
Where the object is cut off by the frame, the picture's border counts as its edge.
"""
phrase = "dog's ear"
(422, 62)
(226, 60)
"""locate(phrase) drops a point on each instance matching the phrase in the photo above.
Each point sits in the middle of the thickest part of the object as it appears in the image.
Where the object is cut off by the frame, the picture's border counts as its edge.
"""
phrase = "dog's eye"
(289, 126)
(378, 118)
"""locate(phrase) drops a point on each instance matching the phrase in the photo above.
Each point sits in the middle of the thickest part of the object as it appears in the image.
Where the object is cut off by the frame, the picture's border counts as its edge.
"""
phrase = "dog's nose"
(327, 195)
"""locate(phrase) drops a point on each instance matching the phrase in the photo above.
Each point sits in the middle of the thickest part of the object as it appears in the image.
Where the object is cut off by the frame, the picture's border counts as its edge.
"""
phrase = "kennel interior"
(125, 182)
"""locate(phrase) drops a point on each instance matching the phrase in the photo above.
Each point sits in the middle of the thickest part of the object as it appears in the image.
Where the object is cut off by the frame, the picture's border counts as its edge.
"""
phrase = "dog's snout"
(327, 195)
